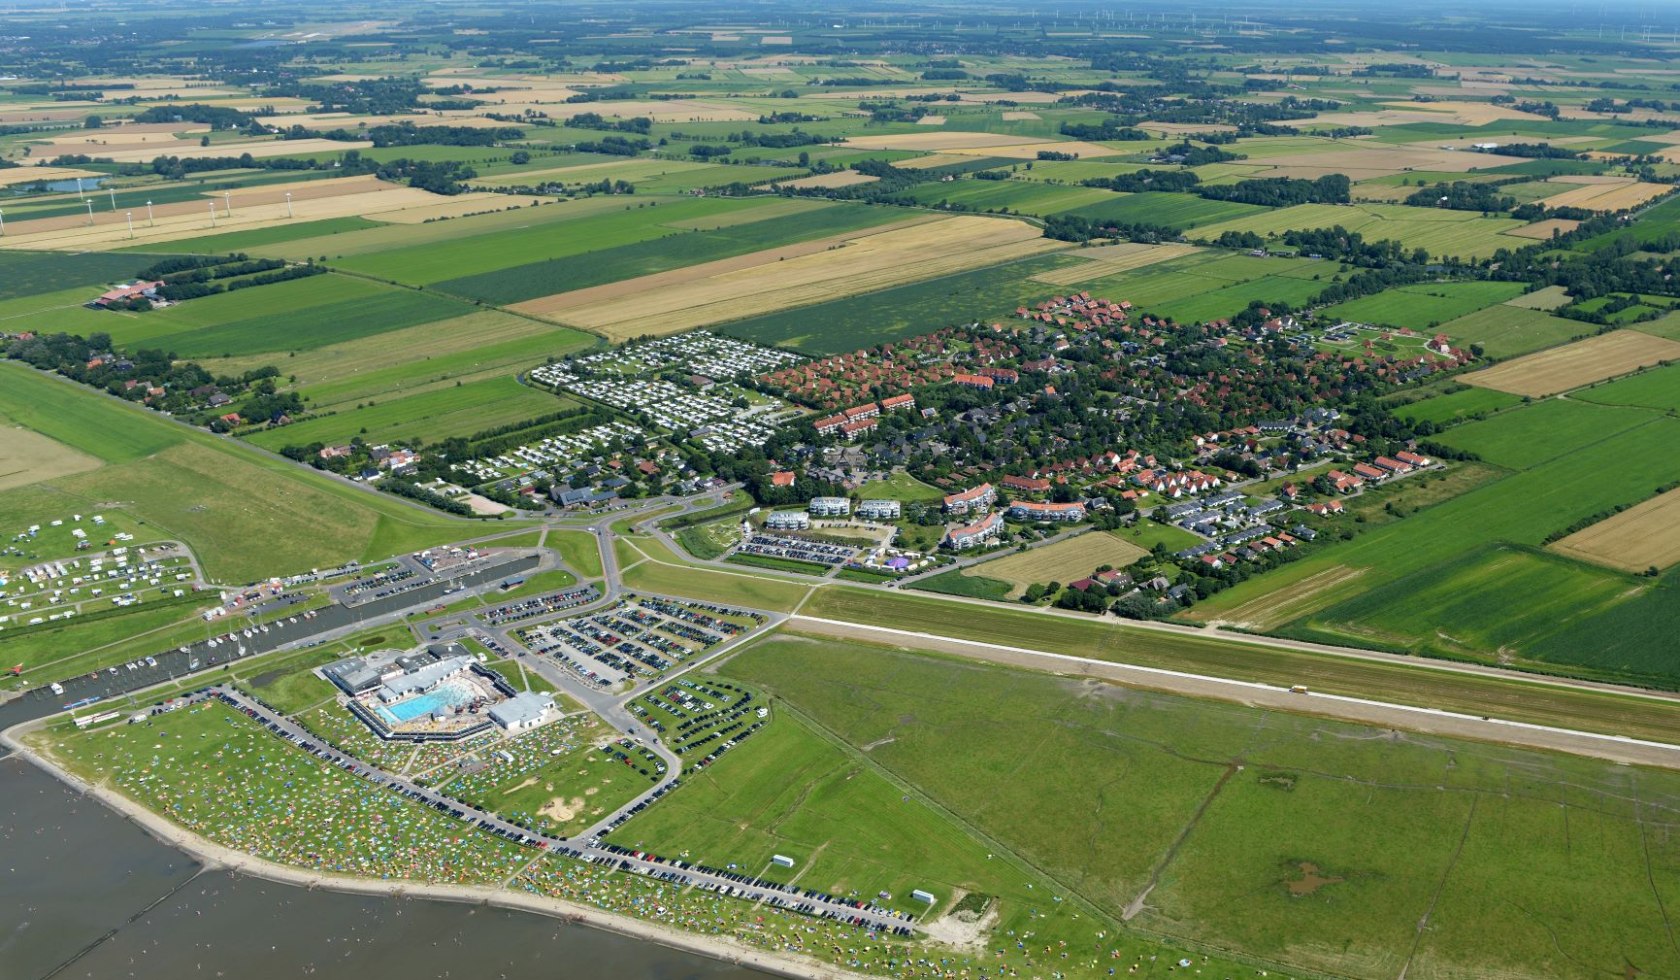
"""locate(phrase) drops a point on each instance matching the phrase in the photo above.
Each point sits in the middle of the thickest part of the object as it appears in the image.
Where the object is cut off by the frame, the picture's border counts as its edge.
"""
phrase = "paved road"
(1615, 748)
(587, 848)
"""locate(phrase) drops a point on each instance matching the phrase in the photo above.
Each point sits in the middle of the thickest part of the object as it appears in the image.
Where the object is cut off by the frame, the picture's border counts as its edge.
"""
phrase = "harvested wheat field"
(1361, 162)
(1543, 230)
(1548, 299)
(29, 175)
(839, 178)
(930, 161)
(1641, 537)
(252, 207)
(1019, 115)
(673, 111)
(458, 206)
(764, 282)
(1573, 365)
(1606, 196)
(1030, 151)
(1064, 561)
(1107, 260)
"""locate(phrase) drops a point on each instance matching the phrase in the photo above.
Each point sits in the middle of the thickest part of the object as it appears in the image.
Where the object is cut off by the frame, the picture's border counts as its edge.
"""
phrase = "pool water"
(445, 695)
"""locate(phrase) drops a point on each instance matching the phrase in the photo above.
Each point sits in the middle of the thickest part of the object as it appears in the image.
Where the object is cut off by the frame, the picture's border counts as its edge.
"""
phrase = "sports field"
(1065, 561)
(1644, 536)
(863, 264)
(1573, 365)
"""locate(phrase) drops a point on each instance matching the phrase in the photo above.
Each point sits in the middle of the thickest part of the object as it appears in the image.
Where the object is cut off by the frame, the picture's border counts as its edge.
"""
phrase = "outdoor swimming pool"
(447, 694)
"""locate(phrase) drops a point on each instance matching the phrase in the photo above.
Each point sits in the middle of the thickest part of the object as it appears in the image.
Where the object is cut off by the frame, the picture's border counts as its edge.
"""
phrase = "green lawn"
(580, 551)
(1429, 306)
(955, 582)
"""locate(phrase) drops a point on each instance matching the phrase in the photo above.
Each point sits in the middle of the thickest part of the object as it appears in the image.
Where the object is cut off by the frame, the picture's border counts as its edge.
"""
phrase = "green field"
(1457, 406)
(1178, 211)
(256, 238)
(668, 249)
(578, 549)
(1426, 307)
(301, 314)
(1543, 431)
(505, 245)
(1658, 389)
(1442, 233)
(431, 416)
(1508, 331)
(663, 575)
(874, 318)
(1213, 284)
(954, 582)
(28, 273)
(1017, 196)
(1263, 833)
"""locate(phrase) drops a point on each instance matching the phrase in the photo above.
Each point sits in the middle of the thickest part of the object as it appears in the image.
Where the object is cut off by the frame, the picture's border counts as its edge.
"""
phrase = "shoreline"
(216, 857)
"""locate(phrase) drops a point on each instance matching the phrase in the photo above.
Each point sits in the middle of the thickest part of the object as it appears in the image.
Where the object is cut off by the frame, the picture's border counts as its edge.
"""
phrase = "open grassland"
(869, 263)
(1658, 388)
(1644, 536)
(524, 241)
(1548, 298)
(672, 252)
(1457, 406)
(1440, 232)
(1573, 365)
(1226, 656)
(1542, 431)
(1504, 330)
(865, 320)
(211, 493)
(1065, 561)
(426, 416)
(1266, 834)
(300, 314)
(1425, 307)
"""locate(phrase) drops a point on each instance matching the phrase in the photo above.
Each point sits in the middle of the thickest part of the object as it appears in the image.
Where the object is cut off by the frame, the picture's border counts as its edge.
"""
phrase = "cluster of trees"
(1147, 180)
(1279, 192)
(1108, 129)
(1462, 195)
(366, 96)
(641, 125)
(619, 146)
(1078, 228)
(1190, 155)
(215, 116)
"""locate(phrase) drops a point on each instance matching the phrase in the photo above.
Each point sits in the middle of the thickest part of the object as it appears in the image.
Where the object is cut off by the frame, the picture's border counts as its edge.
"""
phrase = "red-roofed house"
(781, 478)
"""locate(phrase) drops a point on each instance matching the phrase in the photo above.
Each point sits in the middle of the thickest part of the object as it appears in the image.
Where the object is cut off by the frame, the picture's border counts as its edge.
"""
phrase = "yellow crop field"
(1573, 365)
(779, 279)
(26, 456)
(1607, 197)
(1641, 537)
(937, 141)
(839, 178)
(1065, 561)
(1542, 230)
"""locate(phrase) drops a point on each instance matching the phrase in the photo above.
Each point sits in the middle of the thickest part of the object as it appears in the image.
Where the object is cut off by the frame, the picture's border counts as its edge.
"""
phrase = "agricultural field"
(1573, 365)
(1658, 388)
(1179, 211)
(1442, 233)
(1427, 307)
(1258, 804)
(759, 283)
(1506, 330)
(1206, 285)
(892, 314)
(1457, 406)
(431, 416)
(1065, 561)
(1015, 195)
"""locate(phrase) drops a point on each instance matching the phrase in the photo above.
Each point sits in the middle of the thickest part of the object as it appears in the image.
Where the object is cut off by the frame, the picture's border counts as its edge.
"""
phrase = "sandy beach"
(215, 856)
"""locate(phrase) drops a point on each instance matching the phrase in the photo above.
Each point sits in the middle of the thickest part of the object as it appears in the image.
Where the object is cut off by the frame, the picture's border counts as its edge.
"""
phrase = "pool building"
(438, 693)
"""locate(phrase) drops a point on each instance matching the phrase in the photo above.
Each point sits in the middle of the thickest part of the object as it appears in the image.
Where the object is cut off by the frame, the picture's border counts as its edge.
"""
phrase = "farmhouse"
(781, 478)
(829, 506)
(134, 290)
(976, 499)
(974, 535)
(1026, 510)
